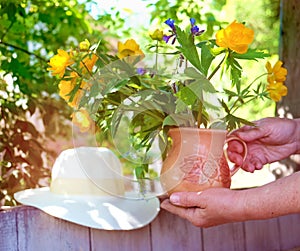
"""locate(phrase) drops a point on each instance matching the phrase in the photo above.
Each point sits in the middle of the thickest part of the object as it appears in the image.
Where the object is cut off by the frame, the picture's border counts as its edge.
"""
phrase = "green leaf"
(169, 121)
(251, 54)
(200, 86)
(181, 106)
(234, 122)
(187, 96)
(206, 56)
(140, 172)
(235, 72)
(188, 47)
(11, 11)
(178, 120)
(194, 74)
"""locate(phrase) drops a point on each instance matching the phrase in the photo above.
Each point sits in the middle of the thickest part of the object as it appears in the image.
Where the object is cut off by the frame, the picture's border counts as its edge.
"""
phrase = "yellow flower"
(60, 62)
(236, 37)
(67, 86)
(88, 63)
(82, 119)
(277, 90)
(157, 35)
(84, 45)
(129, 48)
(277, 73)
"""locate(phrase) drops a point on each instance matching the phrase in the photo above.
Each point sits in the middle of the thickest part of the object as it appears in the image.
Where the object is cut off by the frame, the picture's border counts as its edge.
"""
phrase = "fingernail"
(174, 198)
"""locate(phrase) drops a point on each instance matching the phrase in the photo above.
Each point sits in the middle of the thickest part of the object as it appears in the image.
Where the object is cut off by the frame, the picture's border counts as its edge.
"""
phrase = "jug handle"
(236, 167)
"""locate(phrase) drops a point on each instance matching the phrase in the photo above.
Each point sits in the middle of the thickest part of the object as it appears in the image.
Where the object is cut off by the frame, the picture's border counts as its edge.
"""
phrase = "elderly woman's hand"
(211, 207)
(270, 140)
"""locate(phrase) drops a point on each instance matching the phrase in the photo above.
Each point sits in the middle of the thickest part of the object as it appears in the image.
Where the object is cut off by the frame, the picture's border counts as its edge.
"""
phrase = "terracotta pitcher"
(197, 160)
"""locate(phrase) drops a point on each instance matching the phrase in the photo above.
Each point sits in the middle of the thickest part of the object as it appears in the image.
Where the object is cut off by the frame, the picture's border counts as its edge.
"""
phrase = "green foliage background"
(30, 33)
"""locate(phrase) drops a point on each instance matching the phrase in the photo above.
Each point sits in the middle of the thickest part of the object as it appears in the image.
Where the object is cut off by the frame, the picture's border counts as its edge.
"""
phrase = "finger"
(244, 128)
(235, 146)
(235, 158)
(257, 164)
(248, 167)
(253, 163)
(167, 205)
(251, 134)
(186, 199)
(186, 213)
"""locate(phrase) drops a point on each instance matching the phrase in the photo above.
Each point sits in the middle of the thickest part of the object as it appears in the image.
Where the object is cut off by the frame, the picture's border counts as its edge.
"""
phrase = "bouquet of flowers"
(180, 79)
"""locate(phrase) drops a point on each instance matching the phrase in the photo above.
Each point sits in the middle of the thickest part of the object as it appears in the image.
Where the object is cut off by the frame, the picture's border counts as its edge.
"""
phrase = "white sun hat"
(74, 197)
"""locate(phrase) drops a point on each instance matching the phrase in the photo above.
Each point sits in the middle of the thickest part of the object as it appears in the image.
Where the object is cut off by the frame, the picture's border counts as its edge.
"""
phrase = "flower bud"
(157, 35)
(84, 45)
(217, 50)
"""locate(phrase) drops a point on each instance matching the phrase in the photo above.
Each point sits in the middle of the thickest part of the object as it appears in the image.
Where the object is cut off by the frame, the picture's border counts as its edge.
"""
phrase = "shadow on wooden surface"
(28, 229)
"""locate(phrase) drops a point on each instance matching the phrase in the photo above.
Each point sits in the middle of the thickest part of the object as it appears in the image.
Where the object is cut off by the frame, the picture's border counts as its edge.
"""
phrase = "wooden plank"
(26, 229)
(138, 239)
(39, 231)
(224, 237)
(169, 232)
(8, 230)
(289, 227)
(262, 235)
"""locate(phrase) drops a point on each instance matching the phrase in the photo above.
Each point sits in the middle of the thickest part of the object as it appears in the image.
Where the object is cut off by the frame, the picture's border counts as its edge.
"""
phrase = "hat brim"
(101, 212)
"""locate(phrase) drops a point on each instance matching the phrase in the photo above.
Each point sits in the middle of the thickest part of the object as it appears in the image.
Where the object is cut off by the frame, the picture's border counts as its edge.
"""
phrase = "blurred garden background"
(34, 121)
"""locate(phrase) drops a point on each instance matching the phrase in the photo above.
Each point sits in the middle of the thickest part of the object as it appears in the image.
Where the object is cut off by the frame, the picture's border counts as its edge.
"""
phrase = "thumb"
(186, 199)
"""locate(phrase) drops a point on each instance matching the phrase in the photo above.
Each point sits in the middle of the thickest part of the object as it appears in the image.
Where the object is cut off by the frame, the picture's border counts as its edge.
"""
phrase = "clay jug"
(197, 160)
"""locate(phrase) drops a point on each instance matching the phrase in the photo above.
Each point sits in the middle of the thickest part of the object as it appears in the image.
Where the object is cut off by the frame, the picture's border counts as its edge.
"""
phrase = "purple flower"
(170, 22)
(167, 38)
(141, 71)
(193, 21)
(195, 29)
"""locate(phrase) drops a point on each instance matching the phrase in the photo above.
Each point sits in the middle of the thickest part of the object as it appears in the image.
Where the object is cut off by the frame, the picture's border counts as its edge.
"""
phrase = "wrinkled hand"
(211, 207)
(270, 140)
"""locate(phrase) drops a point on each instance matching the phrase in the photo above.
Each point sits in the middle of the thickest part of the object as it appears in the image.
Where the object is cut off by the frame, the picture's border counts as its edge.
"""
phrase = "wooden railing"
(28, 229)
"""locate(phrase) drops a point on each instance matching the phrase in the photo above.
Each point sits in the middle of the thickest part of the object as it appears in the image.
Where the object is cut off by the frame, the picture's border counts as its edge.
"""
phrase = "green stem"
(218, 66)
(90, 73)
(234, 104)
(199, 117)
(153, 115)
(234, 108)
(73, 69)
(264, 74)
(156, 56)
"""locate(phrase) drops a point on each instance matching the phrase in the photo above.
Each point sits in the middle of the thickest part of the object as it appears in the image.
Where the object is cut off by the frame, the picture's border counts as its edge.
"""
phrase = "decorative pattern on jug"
(201, 169)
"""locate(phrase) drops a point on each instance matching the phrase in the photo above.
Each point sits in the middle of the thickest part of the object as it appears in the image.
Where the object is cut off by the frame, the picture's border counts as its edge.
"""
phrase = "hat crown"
(87, 171)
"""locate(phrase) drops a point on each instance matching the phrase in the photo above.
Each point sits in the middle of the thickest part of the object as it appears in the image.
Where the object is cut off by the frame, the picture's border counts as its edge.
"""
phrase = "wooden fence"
(28, 229)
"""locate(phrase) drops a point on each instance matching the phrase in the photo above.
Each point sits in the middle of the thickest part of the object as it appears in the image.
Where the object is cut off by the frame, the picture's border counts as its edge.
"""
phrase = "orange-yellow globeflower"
(60, 62)
(88, 63)
(277, 73)
(67, 86)
(236, 37)
(129, 48)
(277, 90)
